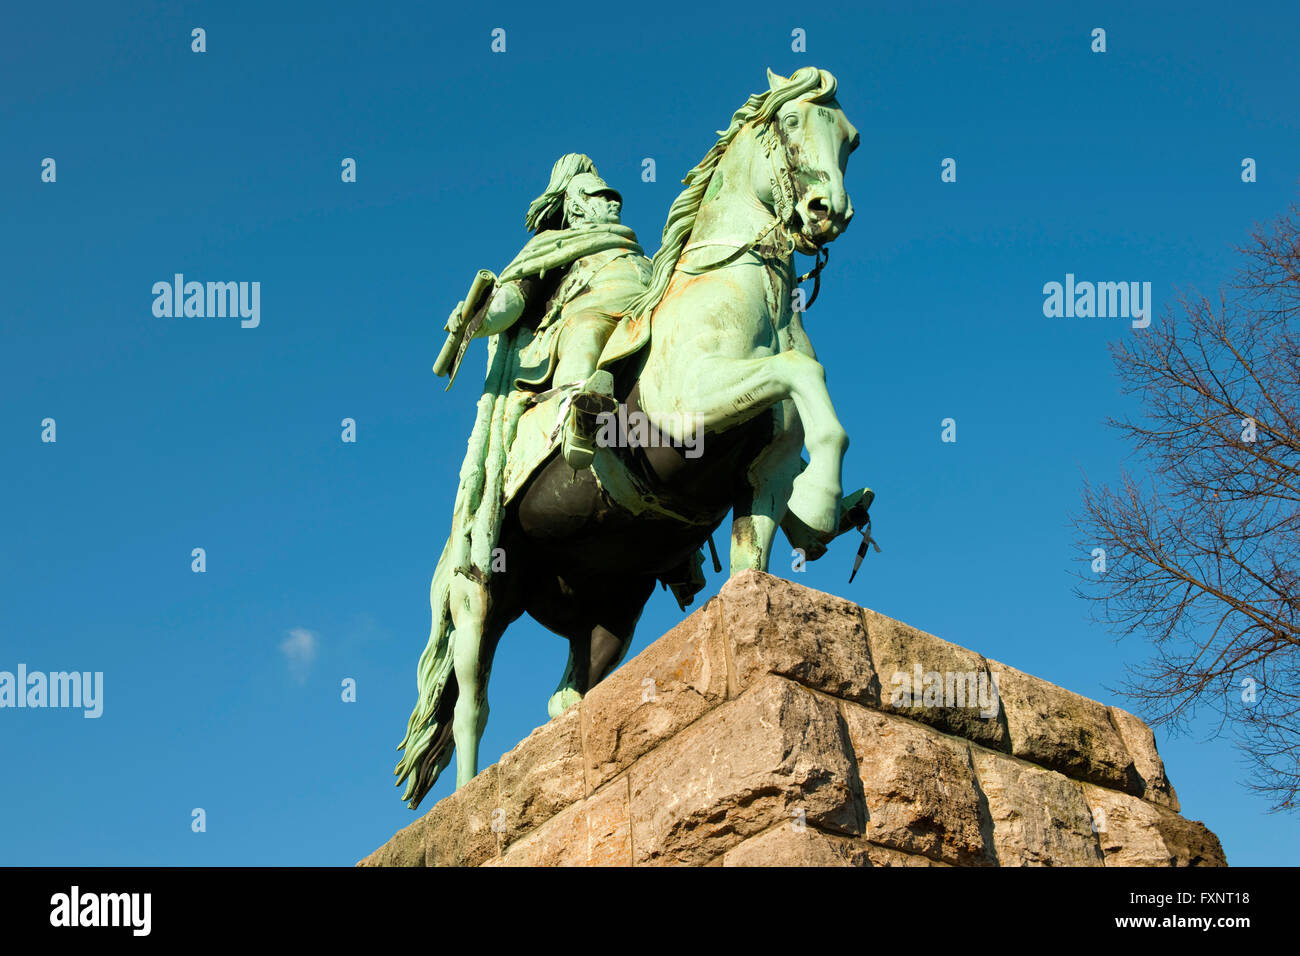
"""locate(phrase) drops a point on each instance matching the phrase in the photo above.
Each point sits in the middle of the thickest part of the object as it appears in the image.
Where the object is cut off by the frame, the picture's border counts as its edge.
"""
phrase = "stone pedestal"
(778, 725)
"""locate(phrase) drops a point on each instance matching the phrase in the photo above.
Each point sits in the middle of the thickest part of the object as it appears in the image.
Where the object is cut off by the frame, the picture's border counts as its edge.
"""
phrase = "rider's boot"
(594, 399)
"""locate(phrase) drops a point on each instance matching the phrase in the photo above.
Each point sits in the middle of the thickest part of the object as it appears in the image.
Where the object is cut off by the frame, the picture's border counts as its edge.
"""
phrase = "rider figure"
(593, 295)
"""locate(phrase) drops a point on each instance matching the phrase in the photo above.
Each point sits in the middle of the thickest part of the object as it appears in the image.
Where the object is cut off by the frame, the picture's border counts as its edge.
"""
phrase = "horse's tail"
(428, 744)
(475, 525)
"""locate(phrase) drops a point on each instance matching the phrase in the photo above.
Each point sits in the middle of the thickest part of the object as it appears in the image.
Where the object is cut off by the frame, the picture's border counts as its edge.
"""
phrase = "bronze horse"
(715, 340)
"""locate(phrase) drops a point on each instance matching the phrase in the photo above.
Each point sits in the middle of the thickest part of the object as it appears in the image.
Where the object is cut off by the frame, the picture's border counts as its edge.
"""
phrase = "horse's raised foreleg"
(721, 392)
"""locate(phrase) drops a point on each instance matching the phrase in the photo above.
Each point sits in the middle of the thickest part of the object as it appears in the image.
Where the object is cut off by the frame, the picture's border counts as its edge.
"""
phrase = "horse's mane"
(759, 107)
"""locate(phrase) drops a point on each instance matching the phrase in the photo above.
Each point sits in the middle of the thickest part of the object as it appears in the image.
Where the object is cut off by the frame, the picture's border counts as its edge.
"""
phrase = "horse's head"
(808, 140)
(793, 143)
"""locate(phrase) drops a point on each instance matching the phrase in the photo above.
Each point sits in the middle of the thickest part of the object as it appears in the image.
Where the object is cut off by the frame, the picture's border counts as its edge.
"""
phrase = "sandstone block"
(1060, 730)
(663, 689)
(460, 827)
(1135, 832)
(815, 639)
(1127, 828)
(1140, 743)
(609, 826)
(560, 841)
(873, 855)
(905, 657)
(784, 845)
(1039, 818)
(756, 761)
(592, 832)
(542, 775)
(406, 847)
(456, 832)
(920, 790)
(1190, 842)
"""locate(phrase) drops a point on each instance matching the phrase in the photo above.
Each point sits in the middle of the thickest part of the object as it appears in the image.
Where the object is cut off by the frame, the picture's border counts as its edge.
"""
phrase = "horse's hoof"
(803, 537)
(562, 700)
(819, 512)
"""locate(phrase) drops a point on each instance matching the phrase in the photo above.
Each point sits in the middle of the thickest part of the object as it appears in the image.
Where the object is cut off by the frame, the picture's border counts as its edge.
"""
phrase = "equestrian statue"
(631, 404)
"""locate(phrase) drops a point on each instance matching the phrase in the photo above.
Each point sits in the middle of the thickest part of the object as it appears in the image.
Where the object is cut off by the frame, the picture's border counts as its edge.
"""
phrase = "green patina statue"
(631, 405)
(596, 270)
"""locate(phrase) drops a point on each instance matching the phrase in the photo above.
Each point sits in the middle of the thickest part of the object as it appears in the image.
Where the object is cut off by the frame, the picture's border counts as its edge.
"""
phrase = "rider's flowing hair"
(759, 108)
(547, 210)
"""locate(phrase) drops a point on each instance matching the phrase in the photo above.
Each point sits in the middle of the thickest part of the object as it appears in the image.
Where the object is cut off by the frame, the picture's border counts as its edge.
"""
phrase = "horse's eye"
(791, 120)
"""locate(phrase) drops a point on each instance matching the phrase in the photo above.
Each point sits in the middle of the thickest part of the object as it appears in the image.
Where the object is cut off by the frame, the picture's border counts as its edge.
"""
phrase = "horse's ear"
(774, 79)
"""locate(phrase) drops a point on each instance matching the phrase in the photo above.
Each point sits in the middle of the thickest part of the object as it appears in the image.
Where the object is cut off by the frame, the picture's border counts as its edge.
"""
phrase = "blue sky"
(175, 434)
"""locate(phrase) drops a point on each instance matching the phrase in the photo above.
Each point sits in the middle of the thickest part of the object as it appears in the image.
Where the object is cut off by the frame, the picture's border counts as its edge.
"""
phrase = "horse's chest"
(753, 301)
(774, 292)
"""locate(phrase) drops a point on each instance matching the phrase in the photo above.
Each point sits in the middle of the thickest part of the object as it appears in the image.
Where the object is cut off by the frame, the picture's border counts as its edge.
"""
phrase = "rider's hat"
(590, 184)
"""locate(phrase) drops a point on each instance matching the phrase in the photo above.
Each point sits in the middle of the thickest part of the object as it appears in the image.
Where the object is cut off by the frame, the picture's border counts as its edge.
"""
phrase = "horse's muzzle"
(820, 221)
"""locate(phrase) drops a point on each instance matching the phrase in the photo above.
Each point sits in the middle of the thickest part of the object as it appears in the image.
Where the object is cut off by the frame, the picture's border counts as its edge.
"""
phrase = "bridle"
(783, 199)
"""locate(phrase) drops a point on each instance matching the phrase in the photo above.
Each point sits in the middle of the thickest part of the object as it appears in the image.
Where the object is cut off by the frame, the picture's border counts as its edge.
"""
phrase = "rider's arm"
(503, 311)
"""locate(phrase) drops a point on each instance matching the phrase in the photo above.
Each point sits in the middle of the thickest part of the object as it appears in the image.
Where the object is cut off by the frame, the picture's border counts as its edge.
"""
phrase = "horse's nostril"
(817, 209)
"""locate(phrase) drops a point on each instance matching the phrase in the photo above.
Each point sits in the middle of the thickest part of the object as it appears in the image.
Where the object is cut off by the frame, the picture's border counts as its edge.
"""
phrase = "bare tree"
(1202, 554)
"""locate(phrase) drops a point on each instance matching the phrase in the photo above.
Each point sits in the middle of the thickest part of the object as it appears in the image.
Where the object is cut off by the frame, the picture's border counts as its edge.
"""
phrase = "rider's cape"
(556, 248)
(520, 362)
(588, 250)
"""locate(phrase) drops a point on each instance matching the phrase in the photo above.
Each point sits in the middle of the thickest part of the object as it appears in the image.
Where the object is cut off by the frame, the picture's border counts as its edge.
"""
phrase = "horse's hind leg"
(567, 694)
(600, 650)
(762, 505)
(480, 621)
(611, 632)
(600, 632)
